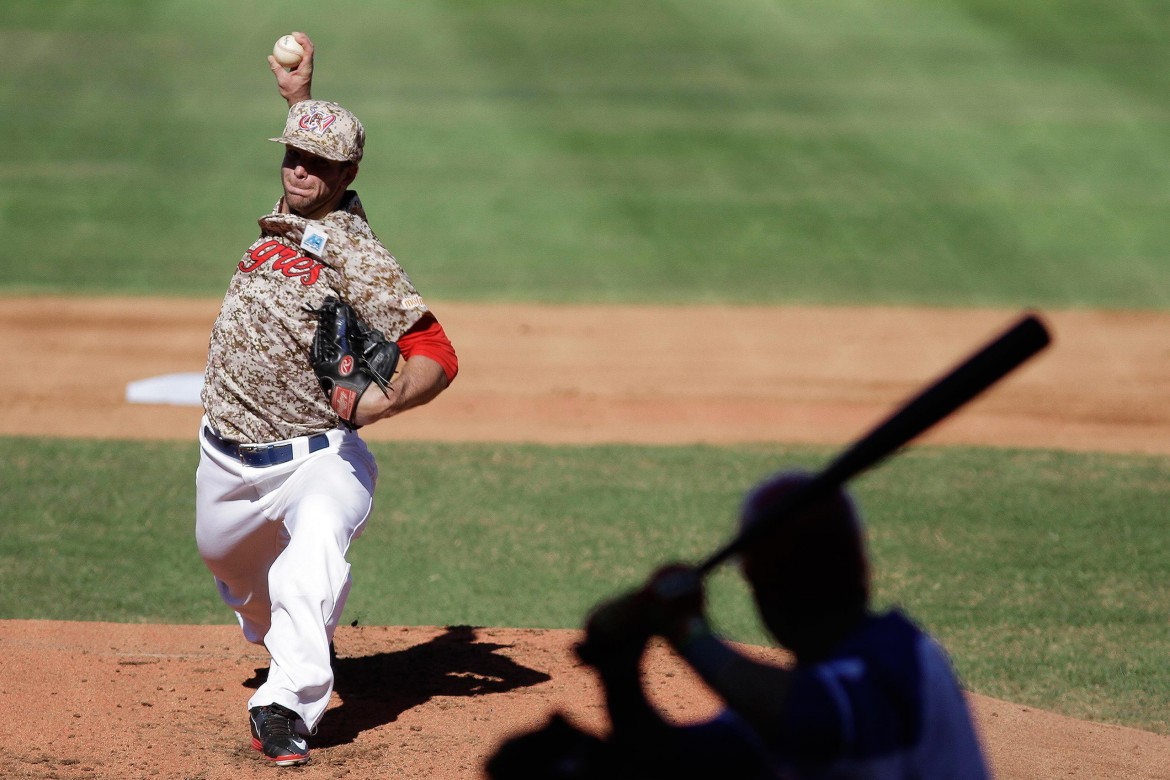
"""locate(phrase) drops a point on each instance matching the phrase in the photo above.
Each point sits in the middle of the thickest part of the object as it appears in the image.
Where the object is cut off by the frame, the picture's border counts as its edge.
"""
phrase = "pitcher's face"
(313, 185)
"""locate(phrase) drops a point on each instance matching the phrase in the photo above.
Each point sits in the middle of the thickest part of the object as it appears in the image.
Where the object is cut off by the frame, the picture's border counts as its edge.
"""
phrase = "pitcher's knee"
(324, 520)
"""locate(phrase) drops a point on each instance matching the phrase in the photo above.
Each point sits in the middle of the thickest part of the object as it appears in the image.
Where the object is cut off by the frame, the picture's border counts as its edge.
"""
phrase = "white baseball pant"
(275, 539)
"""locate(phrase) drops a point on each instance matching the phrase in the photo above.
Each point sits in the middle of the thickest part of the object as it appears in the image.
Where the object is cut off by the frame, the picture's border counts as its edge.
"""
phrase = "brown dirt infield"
(96, 700)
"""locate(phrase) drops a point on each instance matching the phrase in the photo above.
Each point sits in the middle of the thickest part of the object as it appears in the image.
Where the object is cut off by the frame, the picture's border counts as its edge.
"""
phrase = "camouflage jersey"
(258, 385)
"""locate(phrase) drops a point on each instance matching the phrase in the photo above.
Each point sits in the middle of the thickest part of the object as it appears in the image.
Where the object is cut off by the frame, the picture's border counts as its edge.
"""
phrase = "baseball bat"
(938, 400)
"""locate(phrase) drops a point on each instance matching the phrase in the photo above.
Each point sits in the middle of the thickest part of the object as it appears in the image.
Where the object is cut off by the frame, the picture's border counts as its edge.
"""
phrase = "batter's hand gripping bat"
(970, 378)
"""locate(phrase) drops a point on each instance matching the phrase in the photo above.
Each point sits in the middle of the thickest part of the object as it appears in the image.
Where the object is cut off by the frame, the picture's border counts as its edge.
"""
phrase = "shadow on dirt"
(375, 689)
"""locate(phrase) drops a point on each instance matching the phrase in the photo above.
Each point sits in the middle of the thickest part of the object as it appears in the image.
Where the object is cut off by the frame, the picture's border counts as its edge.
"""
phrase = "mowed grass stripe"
(957, 153)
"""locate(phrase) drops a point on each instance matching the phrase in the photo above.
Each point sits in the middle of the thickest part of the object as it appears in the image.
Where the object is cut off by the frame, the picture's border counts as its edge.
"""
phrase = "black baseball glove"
(348, 355)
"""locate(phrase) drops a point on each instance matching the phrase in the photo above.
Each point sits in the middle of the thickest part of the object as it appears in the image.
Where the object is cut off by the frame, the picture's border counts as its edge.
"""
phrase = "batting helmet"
(812, 561)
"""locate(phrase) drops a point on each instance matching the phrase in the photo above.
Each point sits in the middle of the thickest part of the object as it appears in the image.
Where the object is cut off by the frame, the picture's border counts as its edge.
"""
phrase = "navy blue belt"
(261, 455)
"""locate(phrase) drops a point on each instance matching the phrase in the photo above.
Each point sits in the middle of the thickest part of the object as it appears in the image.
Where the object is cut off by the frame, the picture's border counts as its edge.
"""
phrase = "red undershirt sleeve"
(427, 338)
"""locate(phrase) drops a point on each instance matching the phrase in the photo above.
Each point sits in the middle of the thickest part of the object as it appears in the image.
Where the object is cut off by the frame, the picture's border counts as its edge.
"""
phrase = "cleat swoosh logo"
(300, 744)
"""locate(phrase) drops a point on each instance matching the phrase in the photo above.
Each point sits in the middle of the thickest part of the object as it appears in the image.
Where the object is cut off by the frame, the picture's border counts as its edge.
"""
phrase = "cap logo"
(317, 122)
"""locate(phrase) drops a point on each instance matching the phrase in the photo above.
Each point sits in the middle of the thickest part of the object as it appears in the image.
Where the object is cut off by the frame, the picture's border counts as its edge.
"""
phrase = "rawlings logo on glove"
(348, 355)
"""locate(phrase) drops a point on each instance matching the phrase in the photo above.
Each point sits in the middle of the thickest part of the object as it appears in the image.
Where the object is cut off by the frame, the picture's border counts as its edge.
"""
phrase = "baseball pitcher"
(321, 332)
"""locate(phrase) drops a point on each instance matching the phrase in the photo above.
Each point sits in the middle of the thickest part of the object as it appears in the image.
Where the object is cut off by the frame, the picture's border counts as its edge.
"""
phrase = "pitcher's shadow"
(376, 689)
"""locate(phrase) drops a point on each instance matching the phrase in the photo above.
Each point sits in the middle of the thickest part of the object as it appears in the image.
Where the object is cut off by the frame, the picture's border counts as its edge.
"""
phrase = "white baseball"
(287, 51)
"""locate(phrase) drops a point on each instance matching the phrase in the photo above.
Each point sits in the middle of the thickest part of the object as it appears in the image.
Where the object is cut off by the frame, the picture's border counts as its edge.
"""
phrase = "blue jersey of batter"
(884, 706)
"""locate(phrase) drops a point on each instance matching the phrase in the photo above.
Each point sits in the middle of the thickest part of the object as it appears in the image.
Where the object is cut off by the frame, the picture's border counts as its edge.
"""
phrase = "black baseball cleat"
(274, 736)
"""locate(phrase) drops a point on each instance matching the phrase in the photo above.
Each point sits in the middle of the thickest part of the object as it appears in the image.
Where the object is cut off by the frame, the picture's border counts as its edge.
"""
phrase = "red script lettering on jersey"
(284, 259)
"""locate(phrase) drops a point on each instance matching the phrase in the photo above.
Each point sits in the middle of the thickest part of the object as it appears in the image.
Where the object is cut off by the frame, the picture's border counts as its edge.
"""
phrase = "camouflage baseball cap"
(324, 129)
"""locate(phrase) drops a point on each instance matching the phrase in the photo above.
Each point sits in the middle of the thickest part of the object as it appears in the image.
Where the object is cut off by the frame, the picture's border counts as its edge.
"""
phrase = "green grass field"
(945, 153)
(954, 153)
